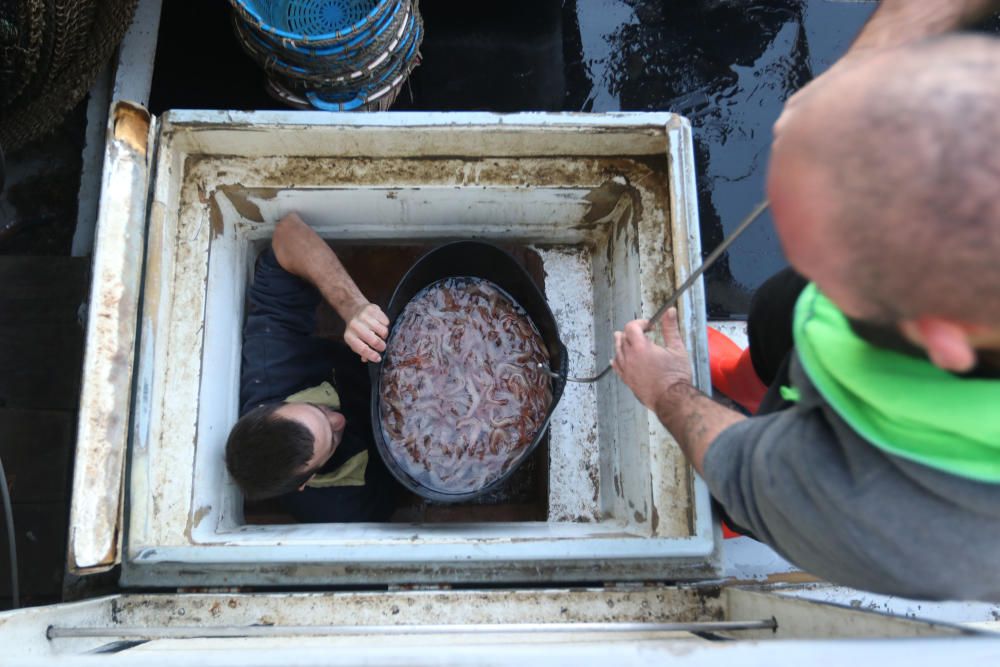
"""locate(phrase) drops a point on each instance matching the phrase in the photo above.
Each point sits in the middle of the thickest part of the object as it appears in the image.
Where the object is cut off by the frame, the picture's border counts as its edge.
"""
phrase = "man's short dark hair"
(266, 454)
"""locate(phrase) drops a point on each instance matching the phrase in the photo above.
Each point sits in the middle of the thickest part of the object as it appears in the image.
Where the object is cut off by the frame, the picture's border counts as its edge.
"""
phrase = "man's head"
(884, 190)
(275, 449)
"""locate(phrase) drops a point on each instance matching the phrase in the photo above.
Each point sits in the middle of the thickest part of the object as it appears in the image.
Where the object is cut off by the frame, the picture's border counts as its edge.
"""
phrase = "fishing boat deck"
(569, 58)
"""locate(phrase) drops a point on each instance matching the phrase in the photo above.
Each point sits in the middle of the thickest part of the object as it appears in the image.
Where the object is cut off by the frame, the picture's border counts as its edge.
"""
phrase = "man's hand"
(648, 369)
(660, 377)
(301, 252)
(366, 332)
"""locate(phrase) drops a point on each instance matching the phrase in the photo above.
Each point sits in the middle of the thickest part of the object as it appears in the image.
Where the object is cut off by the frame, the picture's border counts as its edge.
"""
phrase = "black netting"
(21, 34)
(52, 52)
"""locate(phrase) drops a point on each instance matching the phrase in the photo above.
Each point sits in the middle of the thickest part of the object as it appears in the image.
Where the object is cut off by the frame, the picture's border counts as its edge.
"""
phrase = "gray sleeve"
(791, 477)
(802, 481)
(808, 487)
(740, 471)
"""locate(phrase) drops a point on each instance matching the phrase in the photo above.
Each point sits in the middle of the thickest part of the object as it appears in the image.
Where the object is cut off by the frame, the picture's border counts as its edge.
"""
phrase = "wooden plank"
(37, 449)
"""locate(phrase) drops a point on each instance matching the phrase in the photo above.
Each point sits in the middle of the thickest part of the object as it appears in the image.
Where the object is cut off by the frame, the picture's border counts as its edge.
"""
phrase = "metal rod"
(686, 285)
(228, 631)
(709, 261)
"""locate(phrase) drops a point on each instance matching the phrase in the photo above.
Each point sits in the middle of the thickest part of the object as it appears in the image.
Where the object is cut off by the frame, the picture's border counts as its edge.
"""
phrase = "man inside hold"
(304, 431)
(882, 471)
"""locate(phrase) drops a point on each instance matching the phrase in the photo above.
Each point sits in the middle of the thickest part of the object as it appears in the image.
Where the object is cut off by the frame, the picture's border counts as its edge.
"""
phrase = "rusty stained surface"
(670, 511)
(574, 448)
(628, 467)
(640, 605)
(239, 198)
(149, 569)
(131, 127)
(243, 180)
(640, 224)
(624, 193)
(686, 257)
(176, 320)
(198, 516)
(95, 530)
(157, 266)
(463, 136)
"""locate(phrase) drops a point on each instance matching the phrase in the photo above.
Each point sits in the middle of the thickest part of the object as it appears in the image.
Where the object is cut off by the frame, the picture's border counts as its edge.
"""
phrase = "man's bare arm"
(694, 419)
(301, 252)
(899, 22)
(660, 377)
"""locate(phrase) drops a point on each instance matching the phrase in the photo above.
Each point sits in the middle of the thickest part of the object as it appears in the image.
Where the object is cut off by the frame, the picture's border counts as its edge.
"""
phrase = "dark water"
(728, 65)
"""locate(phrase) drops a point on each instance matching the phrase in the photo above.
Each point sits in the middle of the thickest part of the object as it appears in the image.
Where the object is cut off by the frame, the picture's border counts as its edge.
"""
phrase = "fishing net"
(51, 53)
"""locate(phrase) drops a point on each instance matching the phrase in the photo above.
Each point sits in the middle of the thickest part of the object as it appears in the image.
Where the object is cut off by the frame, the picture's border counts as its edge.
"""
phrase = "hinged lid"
(98, 479)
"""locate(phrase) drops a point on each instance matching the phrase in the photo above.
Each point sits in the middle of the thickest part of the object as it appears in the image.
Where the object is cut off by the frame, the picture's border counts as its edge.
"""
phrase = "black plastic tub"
(478, 260)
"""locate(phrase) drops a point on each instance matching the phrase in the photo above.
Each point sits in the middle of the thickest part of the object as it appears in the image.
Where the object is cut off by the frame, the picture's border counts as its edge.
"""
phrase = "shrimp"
(462, 397)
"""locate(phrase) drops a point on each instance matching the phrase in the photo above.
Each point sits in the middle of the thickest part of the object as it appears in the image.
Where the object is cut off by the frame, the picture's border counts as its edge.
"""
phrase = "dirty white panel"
(44, 635)
(136, 54)
(622, 419)
(799, 618)
(686, 256)
(574, 447)
(98, 476)
(432, 212)
(746, 559)
(23, 630)
(143, 494)
(979, 615)
(408, 134)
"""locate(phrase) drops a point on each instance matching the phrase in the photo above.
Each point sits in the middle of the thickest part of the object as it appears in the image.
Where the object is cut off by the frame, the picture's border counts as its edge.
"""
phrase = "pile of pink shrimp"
(462, 393)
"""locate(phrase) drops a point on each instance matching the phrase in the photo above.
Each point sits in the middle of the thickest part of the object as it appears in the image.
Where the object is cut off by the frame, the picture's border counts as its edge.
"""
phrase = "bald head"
(885, 183)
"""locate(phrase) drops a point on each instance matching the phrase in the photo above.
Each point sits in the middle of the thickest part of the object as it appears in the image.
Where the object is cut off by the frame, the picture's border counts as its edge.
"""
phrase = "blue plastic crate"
(349, 54)
(330, 71)
(378, 88)
(314, 22)
(368, 48)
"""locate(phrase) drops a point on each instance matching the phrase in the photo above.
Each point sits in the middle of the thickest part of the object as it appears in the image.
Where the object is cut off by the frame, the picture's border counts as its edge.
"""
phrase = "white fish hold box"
(605, 203)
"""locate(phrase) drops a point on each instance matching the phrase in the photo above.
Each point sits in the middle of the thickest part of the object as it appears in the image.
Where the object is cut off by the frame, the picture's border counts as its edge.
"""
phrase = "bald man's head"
(885, 183)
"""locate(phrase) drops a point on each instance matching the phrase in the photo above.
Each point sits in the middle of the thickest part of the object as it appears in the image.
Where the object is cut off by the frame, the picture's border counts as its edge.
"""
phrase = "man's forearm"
(899, 22)
(302, 252)
(694, 419)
